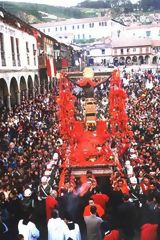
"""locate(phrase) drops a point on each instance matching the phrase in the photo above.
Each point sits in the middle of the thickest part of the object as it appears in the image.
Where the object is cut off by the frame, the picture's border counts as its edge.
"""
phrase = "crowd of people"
(30, 170)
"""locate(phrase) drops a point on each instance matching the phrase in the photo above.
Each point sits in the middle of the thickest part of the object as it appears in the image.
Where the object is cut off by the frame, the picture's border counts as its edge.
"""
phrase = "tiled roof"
(147, 26)
(72, 21)
(131, 42)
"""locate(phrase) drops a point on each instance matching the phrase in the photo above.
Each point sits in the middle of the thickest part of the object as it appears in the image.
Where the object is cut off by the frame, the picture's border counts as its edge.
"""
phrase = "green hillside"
(30, 12)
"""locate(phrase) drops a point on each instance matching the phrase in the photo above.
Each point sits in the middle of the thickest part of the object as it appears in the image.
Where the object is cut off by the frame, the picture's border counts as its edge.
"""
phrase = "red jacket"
(51, 203)
(149, 232)
(100, 199)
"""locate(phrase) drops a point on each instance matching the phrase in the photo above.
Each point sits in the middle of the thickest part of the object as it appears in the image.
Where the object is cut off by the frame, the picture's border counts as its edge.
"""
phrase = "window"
(13, 52)
(105, 23)
(140, 50)
(159, 33)
(99, 23)
(60, 28)
(121, 50)
(77, 26)
(83, 36)
(134, 49)
(148, 33)
(18, 55)
(103, 51)
(56, 29)
(128, 50)
(115, 51)
(3, 60)
(44, 30)
(78, 36)
(27, 51)
(88, 52)
(65, 37)
(82, 25)
(72, 27)
(90, 25)
(102, 23)
(147, 49)
(65, 28)
(34, 55)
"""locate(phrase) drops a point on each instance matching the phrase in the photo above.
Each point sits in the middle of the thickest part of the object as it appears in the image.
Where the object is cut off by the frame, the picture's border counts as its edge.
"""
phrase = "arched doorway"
(14, 91)
(23, 88)
(128, 61)
(3, 93)
(147, 59)
(121, 61)
(154, 61)
(36, 85)
(134, 60)
(115, 61)
(140, 60)
(30, 87)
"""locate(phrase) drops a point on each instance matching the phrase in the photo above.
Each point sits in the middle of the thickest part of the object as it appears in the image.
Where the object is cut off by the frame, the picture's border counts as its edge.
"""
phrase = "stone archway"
(128, 61)
(134, 60)
(140, 60)
(3, 93)
(23, 88)
(155, 60)
(30, 87)
(121, 61)
(14, 92)
(147, 59)
(115, 61)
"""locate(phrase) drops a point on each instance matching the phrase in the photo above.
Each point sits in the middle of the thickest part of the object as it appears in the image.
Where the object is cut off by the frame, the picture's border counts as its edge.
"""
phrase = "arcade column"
(19, 97)
(9, 102)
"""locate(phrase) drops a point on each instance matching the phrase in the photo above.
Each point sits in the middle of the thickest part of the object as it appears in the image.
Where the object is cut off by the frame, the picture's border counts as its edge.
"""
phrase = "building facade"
(133, 51)
(18, 61)
(81, 30)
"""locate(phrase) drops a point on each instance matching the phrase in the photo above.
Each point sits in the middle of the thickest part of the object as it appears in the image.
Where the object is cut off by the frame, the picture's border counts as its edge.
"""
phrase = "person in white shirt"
(27, 228)
(74, 231)
(57, 228)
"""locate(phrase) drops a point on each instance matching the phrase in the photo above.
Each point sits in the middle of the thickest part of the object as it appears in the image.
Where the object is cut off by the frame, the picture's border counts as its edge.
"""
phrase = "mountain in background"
(36, 13)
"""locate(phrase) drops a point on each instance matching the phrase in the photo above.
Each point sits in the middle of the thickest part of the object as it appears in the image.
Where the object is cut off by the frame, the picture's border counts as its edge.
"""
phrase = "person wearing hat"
(135, 191)
(44, 190)
(27, 202)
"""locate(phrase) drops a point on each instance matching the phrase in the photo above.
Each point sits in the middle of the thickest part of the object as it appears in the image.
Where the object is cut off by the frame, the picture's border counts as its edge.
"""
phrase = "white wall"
(81, 30)
(23, 37)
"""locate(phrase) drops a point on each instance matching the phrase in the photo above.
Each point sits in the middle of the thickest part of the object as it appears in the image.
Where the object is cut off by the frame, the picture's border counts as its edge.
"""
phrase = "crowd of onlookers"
(31, 158)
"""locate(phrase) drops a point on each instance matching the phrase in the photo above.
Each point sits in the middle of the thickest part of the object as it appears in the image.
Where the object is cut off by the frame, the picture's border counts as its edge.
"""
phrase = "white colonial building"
(151, 31)
(98, 54)
(81, 30)
(135, 51)
(18, 60)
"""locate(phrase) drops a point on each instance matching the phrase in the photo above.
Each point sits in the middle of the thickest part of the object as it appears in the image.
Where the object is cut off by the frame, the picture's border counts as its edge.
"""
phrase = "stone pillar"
(19, 97)
(27, 93)
(33, 93)
(9, 102)
(38, 90)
